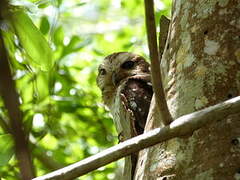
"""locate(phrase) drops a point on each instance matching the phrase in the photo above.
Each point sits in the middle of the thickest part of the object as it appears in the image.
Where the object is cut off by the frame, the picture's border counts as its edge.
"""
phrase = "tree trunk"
(200, 67)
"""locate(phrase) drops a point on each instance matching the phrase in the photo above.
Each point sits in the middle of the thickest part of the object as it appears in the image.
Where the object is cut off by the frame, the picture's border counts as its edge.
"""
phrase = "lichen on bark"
(200, 68)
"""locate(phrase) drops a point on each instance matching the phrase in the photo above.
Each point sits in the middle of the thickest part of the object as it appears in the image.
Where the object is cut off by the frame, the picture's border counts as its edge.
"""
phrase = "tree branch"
(155, 64)
(184, 125)
(11, 102)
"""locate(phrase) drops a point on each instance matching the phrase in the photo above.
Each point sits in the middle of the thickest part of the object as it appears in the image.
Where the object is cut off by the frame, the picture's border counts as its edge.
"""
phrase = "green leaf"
(44, 26)
(42, 82)
(8, 38)
(81, 4)
(75, 45)
(6, 146)
(32, 40)
(25, 87)
(44, 4)
(58, 36)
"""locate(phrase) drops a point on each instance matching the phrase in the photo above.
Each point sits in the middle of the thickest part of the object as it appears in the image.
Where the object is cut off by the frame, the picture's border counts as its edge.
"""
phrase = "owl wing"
(138, 94)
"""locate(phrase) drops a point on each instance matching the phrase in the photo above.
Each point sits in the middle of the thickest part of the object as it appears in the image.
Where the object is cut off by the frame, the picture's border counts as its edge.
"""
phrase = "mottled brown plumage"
(138, 94)
(125, 82)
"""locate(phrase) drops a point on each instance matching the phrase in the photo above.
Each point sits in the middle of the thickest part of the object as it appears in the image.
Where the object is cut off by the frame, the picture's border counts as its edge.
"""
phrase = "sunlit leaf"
(26, 93)
(42, 83)
(6, 146)
(44, 4)
(58, 36)
(32, 40)
(44, 26)
(74, 45)
(59, 2)
(81, 4)
(8, 38)
(8, 41)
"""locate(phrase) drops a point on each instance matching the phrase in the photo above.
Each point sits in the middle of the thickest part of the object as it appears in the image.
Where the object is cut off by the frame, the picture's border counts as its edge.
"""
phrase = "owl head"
(116, 69)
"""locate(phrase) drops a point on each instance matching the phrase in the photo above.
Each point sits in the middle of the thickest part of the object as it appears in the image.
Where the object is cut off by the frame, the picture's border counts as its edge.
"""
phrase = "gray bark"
(200, 68)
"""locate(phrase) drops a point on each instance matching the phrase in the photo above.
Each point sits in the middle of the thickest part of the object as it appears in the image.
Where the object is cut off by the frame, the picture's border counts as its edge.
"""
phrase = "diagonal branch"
(184, 125)
(165, 115)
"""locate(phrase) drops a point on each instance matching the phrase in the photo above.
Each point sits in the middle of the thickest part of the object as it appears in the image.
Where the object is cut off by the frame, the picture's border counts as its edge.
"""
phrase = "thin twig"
(155, 64)
(11, 102)
(182, 126)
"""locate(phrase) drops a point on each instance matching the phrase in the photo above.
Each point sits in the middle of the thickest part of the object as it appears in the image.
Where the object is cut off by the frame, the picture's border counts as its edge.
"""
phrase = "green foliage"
(33, 42)
(55, 48)
(44, 26)
(6, 146)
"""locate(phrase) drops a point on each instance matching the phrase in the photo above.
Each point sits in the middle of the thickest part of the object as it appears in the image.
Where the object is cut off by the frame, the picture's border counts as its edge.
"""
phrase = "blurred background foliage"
(62, 108)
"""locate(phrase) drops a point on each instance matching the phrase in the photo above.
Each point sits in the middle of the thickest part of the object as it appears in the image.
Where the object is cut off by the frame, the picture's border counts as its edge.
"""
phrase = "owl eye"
(127, 65)
(102, 71)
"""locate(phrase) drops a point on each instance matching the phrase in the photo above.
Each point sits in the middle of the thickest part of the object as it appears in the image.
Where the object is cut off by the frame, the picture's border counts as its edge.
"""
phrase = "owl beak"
(117, 77)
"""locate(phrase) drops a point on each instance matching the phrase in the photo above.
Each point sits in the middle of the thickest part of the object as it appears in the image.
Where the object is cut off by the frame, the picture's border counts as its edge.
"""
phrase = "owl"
(125, 81)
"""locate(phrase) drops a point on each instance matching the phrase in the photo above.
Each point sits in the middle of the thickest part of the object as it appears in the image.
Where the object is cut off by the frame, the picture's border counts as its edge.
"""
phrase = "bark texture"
(200, 67)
